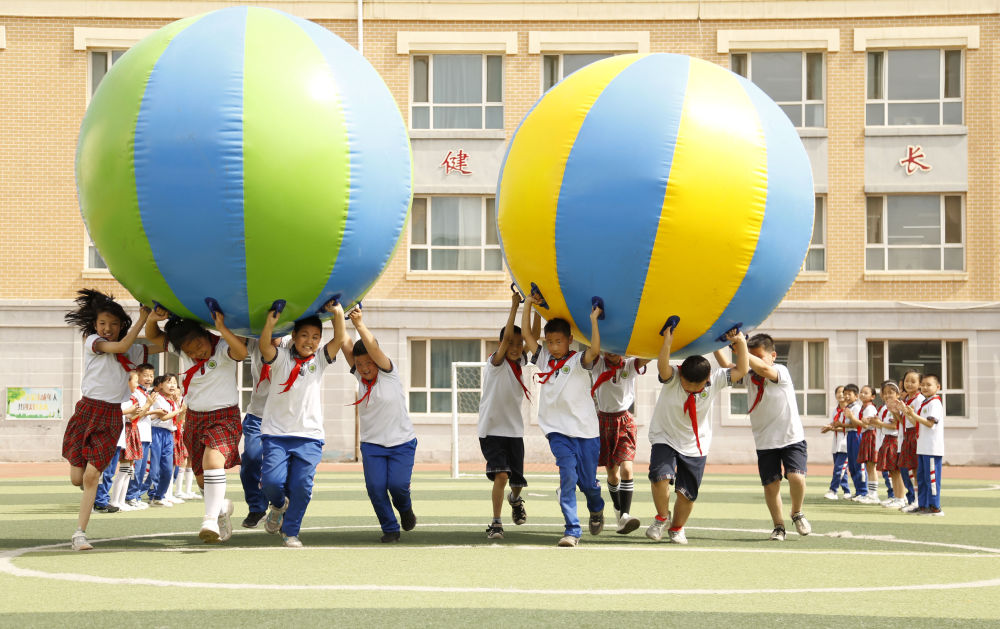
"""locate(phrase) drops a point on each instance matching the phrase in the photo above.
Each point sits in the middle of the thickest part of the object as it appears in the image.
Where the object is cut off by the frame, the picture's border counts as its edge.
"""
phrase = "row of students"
(903, 440)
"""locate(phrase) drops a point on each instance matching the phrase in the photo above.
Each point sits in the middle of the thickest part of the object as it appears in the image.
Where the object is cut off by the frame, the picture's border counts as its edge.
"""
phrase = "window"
(100, 62)
(430, 373)
(555, 68)
(914, 233)
(454, 234)
(914, 87)
(794, 80)
(806, 362)
(457, 92)
(816, 257)
(888, 360)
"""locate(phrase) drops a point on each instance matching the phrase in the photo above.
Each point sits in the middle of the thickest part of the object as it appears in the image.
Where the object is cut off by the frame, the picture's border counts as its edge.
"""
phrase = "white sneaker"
(888, 502)
(678, 537)
(275, 516)
(123, 506)
(79, 541)
(655, 530)
(910, 508)
(225, 521)
(177, 500)
(847, 495)
(209, 532)
(802, 526)
(898, 503)
(830, 495)
(159, 502)
(627, 524)
(291, 541)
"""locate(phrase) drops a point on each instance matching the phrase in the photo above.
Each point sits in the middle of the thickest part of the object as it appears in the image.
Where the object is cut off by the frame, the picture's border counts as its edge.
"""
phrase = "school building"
(895, 102)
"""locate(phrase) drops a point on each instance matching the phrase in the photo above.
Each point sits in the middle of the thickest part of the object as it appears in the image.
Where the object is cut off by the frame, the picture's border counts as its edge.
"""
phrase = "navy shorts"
(684, 472)
(792, 457)
(504, 454)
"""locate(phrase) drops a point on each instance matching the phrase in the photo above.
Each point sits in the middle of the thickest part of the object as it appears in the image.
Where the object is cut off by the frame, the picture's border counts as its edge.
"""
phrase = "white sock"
(188, 479)
(170, 488)
(215, 492)
(119, 487)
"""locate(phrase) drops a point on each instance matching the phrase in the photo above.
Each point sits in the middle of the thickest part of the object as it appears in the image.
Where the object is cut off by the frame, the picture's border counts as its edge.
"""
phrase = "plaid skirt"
(133, 446)
(887, 456)
(617, 438)
(180, 451)
(866, 449)
(220, 429)
(92, 433)
(908, 454)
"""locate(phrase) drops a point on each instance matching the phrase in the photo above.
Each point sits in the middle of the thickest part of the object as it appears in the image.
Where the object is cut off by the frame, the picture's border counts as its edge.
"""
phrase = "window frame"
(884, 102)
(800, 381)
(561, 68)
(802, 103)
(819, 207)
(429, 247)
(942, 224)
(486, 347)
(963, 344)
(483, 104)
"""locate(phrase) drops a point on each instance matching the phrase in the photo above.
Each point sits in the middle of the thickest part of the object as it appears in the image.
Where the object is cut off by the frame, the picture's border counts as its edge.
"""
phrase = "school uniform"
(94, 427)
(855, 469)
(253, 452)
(213, 415)
(140, 481)
(930, 452)
(839, 450)
(388, 444)
(614, 395)
(907, 459)
(501, 421)
(292, 434)
(887, 451)
(128, 448)
(681, 431)
(161, 458)
(777, 427)
(567, 417)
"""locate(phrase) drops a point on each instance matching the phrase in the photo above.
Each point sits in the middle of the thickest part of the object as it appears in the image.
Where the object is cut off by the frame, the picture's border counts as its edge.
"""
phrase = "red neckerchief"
(200, 365)
(607, 374)
(265, 375)
(294, 375)
(515, 366)
(126, 364)
(368, 389)
(543, 376)
(691, 408)
(928, 401)
(759, 381)
(861, 414)
(916, 427)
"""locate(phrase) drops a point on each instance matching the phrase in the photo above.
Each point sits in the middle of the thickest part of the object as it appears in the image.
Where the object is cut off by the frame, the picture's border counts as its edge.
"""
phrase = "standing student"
(388, 441)
(567, 416)
(852, 415)
(161, 458)
(888, 419)
(930, 445)
(838, 426)
(93, 430)
(867, 447)
(777, 432)
(501, 424)
(208, 363)
(680, 430)
(908, 444)
(139, 482)
(129, 444)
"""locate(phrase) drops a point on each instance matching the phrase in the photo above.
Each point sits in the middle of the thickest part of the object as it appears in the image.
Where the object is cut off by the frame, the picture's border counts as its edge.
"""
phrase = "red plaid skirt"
(133, 446)
(866, 450)
(908, 455)
(220, 429)
(617, 438)
(887, 455)
(180, 451)
(92, 433)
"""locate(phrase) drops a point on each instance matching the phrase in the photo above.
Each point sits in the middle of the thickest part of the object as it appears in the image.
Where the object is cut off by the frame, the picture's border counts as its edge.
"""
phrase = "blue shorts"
(792, 457)
(684, 472)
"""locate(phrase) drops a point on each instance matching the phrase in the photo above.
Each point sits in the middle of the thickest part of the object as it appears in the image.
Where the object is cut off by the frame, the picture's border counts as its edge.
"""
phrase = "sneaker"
(517, 512)
(275, 516)
(177, 500)
(830, 495)
(209, 532)
(910, 508)
(291, 541)
(801, 524)
(159, 502)
(407, 520)
(494, 531)
(596, 522)
(678, 537)
(124, 507)
(627, 524)
(390, 538)
(79, 541)
(253, 518)
(226, 521)
(935, 511)
(869, 499)
(888, 503)
(100, 509)
(655, 530)
(919, 511)
(568, 541)
(777, 535)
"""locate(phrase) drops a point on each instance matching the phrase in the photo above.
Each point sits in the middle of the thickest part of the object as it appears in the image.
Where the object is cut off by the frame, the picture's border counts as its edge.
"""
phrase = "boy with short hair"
(777, 432)
(140, 481)
(930, 445)
(852, 413)
(838, 426)
(681, 430)
(567, 416)
(501, 424)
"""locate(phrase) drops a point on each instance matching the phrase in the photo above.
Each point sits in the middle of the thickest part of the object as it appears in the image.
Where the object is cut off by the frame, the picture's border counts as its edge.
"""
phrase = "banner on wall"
(35, 403)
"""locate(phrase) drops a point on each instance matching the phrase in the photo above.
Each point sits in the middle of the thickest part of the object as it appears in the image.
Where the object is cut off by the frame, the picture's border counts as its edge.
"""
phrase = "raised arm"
(528, 331)
(381, 360)
(508, 330)
(663, 359)
(853, 419)
(339, 328)
(118, 347)
(154, 334)
(722, 360)
(265, 345)
(237, 348)
(741, 355)
(762, 369)
(594, 350)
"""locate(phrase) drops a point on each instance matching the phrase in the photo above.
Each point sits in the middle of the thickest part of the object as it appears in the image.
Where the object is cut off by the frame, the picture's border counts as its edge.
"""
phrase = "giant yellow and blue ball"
(664, 184)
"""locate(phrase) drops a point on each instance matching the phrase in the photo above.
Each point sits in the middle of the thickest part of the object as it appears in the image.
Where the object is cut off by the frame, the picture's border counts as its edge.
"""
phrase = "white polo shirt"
(104, 378)
(500, 405)
(885, 416)
(132, 401)
(775, 419)
(214, 385)
(618, 393)
(930, 441)
(673, 426)
(564, 402)
(915, 405)
(298, 411)
(839, 437)
(163, 404)
(383, 415)
(145, 422)
(868, 410)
